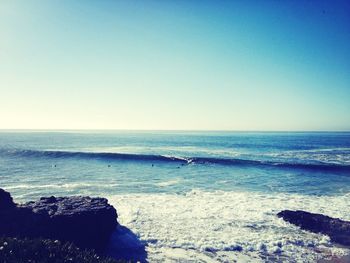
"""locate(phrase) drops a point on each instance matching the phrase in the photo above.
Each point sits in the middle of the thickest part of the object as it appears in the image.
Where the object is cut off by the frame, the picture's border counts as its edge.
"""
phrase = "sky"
(175, 65)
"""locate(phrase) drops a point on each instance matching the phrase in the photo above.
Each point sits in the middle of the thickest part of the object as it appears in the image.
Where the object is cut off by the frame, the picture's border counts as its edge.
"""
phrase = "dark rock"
(6, 201)
(86, 221)
(338, 230)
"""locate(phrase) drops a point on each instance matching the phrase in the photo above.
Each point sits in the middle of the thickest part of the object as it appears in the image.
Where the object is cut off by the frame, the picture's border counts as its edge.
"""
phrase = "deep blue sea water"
(136, 162)
(126, 165)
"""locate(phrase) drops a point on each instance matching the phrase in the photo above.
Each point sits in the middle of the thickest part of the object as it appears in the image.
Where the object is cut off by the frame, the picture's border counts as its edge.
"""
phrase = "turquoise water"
(99, 163)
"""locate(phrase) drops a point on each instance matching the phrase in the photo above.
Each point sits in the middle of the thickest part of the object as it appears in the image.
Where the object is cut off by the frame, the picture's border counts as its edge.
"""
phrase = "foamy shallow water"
(228, 226)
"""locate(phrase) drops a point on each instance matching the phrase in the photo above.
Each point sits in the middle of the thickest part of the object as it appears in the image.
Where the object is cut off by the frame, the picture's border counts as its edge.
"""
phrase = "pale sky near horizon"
(187, 65)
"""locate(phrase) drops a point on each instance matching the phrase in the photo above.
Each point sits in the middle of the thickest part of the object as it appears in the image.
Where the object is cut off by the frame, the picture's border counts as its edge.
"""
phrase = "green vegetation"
(14, 250)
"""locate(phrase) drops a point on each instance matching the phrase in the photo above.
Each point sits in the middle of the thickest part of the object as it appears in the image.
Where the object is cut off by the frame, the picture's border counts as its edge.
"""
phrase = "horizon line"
(157, 130)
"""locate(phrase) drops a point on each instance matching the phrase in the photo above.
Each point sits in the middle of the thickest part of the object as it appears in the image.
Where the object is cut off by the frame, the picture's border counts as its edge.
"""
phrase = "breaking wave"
(284, 163)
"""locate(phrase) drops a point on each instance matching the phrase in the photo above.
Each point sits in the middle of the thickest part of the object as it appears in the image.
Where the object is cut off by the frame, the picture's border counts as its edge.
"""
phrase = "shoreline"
(220, 224)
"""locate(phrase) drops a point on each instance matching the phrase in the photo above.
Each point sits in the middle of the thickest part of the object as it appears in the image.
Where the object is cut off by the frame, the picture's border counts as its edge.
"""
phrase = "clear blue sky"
(213, 65)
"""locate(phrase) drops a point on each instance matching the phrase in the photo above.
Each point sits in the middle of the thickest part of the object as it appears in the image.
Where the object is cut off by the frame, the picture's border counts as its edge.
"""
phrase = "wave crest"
(302, 164)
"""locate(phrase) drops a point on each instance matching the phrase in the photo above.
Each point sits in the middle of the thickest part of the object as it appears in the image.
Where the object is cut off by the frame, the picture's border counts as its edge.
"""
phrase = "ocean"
(193, 196)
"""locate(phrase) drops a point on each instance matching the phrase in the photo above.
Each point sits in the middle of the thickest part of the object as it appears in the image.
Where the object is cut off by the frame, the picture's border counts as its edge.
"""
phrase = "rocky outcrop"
(338, 230)
(6, 201)
(86, 221)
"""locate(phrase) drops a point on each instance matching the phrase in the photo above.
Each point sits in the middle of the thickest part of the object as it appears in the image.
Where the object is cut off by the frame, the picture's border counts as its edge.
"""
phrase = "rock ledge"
(338, 230)
(87, 222)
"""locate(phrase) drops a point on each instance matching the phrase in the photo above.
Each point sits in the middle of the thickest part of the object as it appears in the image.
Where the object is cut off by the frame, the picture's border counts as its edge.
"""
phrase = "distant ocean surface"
(194, 196)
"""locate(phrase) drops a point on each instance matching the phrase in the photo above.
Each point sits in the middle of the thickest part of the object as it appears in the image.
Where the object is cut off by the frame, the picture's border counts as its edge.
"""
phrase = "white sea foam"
(57, 186)
(328, 156)
(168, 183)
(227, 226)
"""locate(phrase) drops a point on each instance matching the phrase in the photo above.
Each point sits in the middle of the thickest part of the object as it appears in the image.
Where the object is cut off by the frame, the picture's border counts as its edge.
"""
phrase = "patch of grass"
(15, 250)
